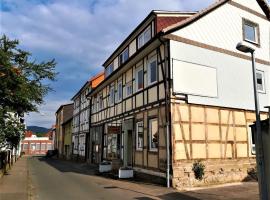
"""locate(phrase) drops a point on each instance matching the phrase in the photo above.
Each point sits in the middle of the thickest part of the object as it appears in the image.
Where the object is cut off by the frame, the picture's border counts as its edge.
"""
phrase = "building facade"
(63, 114)
(67, 127)
(33, 145)
(177, 91)
(81, 117)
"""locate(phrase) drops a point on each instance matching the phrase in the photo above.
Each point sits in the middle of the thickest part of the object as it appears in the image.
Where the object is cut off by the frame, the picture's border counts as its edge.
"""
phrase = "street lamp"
(259, 145)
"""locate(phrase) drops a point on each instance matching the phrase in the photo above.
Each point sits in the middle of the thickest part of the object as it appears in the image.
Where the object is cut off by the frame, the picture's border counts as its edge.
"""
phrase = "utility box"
(266, 149)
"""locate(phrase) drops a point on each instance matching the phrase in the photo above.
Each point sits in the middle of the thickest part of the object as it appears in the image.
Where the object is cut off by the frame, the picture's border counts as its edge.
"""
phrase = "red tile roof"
(28, 133)
(163, 22)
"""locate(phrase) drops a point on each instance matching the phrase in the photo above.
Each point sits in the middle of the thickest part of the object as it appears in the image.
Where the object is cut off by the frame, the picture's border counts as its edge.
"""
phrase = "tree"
(22, 86)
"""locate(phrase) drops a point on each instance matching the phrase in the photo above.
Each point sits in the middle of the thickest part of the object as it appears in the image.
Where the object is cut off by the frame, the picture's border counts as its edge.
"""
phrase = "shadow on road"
(69, 166)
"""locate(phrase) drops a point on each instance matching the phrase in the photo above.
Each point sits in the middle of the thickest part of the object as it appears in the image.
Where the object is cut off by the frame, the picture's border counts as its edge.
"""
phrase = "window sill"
(152, 83)
(153, 150)
(252, 42)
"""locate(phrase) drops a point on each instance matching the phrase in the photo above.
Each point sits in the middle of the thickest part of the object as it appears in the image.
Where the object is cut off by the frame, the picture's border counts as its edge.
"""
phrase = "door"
(129, 148)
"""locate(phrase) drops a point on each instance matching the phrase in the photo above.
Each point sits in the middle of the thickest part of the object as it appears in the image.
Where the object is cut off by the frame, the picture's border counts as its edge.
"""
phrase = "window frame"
(119, 91)
(100, 102)
(263, 81)
(109, 69)
(151, 60)
(129, 84)
(111, 96)
(137, 134)
(256, 29)
(150, 120)
(136, 78)
(142, 36)
(121, 56)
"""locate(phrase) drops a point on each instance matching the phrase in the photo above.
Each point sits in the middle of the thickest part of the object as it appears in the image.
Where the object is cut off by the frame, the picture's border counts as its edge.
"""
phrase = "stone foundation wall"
(216, 172)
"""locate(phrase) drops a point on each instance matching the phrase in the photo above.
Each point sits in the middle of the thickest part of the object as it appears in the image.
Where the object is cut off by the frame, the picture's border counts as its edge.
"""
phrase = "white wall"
(223, 28)
(234, 77)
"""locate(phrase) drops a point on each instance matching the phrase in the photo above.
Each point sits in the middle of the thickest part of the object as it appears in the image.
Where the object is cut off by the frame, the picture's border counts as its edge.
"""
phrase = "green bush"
(198, 169)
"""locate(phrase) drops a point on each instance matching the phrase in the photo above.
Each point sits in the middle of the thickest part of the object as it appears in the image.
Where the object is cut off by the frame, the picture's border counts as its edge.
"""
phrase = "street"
(38, 178)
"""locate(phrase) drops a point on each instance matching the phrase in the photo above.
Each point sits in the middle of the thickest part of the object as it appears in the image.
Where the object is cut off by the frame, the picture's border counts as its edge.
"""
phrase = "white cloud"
(79, 34)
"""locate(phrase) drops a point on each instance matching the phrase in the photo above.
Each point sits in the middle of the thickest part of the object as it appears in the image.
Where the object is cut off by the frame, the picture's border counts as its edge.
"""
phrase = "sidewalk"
(14, 185)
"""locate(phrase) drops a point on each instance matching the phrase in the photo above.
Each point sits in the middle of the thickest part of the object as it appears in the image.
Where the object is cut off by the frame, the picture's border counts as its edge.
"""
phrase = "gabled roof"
(263, 4)
(64, 105)
(81, 89)
(150, 16)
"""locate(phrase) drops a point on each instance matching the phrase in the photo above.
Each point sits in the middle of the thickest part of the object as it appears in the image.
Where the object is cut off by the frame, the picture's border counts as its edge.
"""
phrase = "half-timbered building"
(176, 90)
(81, 110)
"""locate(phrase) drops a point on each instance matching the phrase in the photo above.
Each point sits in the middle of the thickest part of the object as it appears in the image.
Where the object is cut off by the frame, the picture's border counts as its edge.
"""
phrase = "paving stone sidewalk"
(14, 185)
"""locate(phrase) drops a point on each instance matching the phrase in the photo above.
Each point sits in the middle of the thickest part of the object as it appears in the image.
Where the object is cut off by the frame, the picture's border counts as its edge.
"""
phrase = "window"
(119, 92)
(139, 136)
(250, 31)
(153, 134)
(152, 71)
(123, 56)
(129, 89)
(100, 102)
(144, 37)
(260, 81)
(111, 97)
(108, 70)
(139, 79)
(94, 104)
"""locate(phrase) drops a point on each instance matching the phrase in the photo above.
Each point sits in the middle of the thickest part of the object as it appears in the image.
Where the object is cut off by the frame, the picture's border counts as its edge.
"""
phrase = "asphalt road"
(50, 179)
(61, 180)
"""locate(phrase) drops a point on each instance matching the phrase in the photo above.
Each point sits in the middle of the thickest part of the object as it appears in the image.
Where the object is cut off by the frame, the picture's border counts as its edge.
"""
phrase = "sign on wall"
(194, 79)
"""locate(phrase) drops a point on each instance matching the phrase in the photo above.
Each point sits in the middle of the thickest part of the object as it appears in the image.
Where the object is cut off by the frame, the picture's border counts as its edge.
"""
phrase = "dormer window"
(144, 37)
(123, 56)
(250, 31)
(108, 70)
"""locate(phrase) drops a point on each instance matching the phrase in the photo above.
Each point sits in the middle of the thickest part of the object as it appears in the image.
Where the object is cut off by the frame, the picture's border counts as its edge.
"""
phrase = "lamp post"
(259, 145)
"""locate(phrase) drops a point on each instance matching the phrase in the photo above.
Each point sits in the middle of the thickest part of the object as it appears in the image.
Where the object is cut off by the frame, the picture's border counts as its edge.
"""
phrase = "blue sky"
(79, 34)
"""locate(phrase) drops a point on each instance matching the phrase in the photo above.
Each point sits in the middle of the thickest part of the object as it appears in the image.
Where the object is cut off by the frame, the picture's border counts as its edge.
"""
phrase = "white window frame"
(129, 84)
(256, 31)
(121, 56)
(139, 124)
(109, 70)
(150, 134)
(119, 91)
(151, 60)
(263, 81)
(112, 96)
(136, 78)
(142, 40)
(100, 102)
